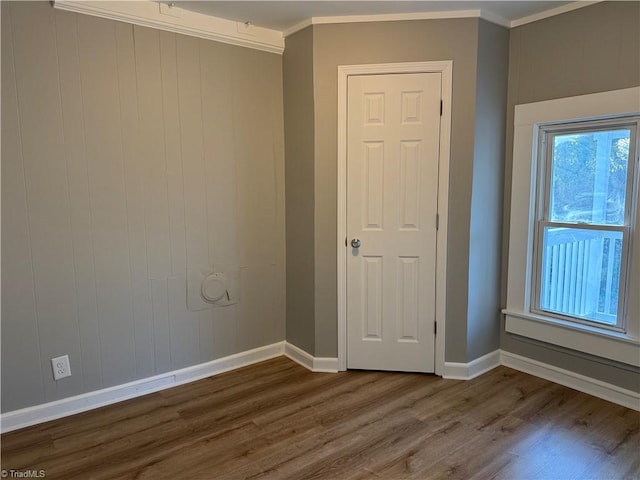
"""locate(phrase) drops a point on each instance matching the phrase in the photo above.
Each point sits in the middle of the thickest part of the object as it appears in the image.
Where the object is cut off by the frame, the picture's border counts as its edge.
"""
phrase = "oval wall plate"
(214, 287)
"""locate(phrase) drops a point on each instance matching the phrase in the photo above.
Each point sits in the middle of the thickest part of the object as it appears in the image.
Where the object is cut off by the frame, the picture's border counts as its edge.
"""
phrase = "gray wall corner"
(299, 134)
(483, 329)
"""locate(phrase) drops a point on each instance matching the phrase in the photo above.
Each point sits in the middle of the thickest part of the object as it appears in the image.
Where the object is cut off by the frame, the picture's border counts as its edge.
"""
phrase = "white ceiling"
(283, 15)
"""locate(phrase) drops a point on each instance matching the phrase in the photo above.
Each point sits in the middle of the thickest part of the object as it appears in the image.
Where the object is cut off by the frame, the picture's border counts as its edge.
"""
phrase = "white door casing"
(392, 288)
(393, 129)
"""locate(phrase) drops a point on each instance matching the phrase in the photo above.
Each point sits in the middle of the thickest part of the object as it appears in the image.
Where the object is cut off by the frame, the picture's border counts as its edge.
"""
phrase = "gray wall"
(385, 42)
(483, 324)
(299, 174)
(129, 156)
(592, 49)
(473, 283)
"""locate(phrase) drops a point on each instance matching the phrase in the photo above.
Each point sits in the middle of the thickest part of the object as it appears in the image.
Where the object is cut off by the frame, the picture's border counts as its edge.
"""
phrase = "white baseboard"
(597, 388)
(315, 364)
(473, 369)
(460, 371)
(87, 401)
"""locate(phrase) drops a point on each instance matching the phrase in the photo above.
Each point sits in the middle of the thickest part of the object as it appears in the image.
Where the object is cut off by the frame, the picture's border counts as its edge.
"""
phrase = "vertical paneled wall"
(130, 157)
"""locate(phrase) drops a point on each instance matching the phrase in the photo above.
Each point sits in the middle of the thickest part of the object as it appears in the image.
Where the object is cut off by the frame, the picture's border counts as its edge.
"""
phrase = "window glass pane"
(581, 273)
(589, 177)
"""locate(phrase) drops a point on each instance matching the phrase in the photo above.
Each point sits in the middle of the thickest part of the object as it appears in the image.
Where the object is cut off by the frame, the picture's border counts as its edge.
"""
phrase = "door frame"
(344, 72)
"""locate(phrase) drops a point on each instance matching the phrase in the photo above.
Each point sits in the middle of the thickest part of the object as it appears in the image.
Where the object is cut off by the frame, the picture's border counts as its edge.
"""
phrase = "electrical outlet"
(61, 367)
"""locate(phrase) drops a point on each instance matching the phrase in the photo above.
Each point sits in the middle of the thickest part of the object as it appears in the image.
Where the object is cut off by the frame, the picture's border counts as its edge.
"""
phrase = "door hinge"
(441, 107)
(437, 221)
(435, 328)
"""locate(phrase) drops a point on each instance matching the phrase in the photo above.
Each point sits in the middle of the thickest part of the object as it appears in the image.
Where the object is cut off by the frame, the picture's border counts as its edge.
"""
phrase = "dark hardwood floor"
(276, 420)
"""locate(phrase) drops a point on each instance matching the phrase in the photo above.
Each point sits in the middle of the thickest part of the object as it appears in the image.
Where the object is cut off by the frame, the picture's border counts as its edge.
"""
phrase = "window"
(573, 273)
(584, 221)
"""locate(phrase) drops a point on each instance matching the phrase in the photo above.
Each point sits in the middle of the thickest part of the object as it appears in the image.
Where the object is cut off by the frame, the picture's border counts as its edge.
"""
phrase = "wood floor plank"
(276, 420)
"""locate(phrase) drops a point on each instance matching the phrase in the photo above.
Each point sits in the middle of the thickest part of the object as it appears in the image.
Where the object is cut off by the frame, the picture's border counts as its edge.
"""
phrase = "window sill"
(600, 342)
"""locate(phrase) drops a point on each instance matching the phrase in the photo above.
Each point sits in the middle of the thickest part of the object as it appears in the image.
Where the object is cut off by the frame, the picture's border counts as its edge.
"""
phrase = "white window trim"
(621, 347)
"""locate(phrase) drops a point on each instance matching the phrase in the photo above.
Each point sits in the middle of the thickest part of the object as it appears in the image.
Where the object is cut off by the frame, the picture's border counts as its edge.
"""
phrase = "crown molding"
(395, 17)
(552, 12)
(493, 18)
(398, 17)
(297, 27)
(171, 18)
(484, 14)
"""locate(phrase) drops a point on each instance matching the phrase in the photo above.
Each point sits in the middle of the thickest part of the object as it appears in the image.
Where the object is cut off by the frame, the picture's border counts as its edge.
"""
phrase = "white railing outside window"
(581, 274)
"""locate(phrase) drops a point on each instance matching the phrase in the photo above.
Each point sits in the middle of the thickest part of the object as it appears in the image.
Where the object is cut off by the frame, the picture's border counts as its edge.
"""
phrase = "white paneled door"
(392, 190)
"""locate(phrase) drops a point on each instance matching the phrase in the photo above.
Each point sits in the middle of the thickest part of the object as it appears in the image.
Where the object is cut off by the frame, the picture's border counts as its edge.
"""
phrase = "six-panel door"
(392, 179)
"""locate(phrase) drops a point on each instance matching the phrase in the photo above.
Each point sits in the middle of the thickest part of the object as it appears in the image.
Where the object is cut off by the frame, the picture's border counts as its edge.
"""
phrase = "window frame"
(545, 135)
(519, 320)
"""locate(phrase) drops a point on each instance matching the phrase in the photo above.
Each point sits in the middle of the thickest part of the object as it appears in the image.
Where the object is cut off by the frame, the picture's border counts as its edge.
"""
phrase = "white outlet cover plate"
(61, 367)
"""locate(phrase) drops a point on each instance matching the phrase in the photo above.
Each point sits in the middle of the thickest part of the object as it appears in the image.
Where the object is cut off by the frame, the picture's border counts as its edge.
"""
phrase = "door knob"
(355, 243)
